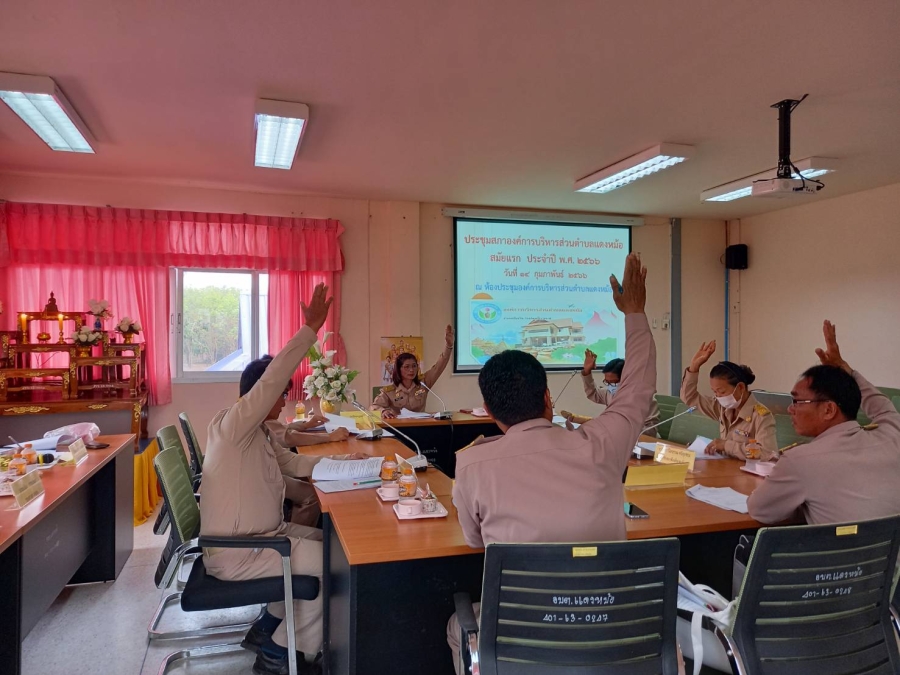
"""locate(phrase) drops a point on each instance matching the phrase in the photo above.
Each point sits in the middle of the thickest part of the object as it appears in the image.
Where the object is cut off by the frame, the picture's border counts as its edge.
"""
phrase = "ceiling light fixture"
(637, 166)
(811, 167)
(280, 126)
(44, 108)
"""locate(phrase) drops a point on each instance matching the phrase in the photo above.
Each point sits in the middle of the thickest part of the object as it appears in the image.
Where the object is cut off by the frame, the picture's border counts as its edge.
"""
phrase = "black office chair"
(193, 444)
(203, 592)
(816, 600)
(574, 608)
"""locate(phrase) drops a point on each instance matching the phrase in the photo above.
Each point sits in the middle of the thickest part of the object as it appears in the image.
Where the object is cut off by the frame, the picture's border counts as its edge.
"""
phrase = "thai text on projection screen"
(542, 288)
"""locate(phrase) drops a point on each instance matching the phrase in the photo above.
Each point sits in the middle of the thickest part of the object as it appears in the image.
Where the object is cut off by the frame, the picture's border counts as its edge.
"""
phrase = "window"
(220, 323)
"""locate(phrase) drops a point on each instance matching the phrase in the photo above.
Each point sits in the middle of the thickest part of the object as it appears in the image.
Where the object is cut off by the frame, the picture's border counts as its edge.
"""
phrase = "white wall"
(834, 259)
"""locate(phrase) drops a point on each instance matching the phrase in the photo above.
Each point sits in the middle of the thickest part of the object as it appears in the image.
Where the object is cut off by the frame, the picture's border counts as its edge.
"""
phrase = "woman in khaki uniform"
(741, 417)
(407, 390)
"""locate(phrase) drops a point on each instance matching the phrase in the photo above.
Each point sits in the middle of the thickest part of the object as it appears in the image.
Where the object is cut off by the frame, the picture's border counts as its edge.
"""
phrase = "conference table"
(388, 584)
(79, 531)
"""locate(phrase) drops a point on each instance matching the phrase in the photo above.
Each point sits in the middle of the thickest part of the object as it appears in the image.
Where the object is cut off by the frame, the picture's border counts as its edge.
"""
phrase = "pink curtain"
(286, 290)
(123, 255)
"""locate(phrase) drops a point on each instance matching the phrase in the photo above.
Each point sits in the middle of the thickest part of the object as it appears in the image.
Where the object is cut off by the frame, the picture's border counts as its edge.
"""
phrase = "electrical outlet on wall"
(665, 322)
(655, 324)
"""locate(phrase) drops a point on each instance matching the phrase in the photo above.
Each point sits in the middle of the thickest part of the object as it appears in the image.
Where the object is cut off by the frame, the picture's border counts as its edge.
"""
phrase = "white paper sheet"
(39, 444)
(334, 469)
(344, 485)
(724, 498)
(410, 415)
(480, 412)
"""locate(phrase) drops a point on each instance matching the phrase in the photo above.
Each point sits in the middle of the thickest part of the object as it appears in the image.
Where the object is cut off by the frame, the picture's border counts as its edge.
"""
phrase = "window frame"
(176, 326)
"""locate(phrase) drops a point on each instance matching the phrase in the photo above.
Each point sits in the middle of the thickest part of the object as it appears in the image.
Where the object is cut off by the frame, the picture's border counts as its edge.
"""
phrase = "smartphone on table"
(632, 511)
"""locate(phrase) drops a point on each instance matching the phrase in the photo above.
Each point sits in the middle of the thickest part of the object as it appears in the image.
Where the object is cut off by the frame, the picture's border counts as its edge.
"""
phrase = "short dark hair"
(253, 372)
(615, 367)
(733, 373)
(405, 356)
(513, 385)
(835, 385)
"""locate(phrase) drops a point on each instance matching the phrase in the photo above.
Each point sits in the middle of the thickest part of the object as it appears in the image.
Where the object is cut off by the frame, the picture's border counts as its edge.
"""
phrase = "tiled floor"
(101, 629)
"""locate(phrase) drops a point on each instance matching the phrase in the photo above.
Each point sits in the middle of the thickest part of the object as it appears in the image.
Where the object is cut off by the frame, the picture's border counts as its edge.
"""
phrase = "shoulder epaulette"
(761, 409)
(388, 388)
(475, 442)
(870, 427)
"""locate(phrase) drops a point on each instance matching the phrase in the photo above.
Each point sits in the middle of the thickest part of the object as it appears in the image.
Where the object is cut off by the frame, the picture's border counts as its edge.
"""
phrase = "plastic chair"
(816, 600)
(193, 444)
(564, 608)
(203, 592)
(686, 428)
(667, 406)
(785, 434)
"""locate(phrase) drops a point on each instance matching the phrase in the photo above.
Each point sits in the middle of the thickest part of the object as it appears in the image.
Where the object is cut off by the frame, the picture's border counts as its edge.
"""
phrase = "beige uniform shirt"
(394, 398)
(603, 397)
(542, 483)
(243, 489)
(736, 427)
(845, 474)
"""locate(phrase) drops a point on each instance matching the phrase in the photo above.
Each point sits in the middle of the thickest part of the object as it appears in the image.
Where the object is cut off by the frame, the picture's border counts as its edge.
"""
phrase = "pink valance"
(61, 234)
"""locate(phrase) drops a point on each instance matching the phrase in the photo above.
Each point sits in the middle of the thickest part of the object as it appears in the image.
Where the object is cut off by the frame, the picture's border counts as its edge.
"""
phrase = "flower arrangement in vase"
(85, 338)
(329, 382)
(128, 328)
(100, 310)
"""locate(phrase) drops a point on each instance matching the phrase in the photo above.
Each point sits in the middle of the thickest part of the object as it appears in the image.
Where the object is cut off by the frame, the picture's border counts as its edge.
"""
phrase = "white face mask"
(728, 402)
(612, 388)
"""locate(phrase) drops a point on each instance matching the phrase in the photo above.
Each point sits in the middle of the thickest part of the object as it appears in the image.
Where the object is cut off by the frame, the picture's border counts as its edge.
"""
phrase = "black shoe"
(256, 637)
(266, 665)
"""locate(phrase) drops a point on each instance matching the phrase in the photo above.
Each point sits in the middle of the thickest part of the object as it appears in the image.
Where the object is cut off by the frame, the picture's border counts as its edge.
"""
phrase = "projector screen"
(539, 287)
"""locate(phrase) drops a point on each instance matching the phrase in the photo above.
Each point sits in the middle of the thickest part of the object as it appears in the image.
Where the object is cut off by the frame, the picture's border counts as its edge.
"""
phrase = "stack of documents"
(348, 423)
(332, 475)
(410, 415)
(724, 498)
(699, 446)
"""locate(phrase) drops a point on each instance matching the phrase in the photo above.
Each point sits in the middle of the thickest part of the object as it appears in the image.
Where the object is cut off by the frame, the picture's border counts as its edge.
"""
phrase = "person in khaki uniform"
(741, 417)
(407, 390)
(295, 466)
(243, 492)
(847, 473)
(612, 375)
(504, 491)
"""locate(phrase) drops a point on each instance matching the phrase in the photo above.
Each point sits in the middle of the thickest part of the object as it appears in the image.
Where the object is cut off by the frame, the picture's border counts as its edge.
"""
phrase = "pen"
(370, 481)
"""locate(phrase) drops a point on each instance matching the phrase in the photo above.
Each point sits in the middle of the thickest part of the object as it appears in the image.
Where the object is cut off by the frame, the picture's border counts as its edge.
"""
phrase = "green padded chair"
(193, 444)
(203, 592)
(816, 600)
(686, 428)
(667, 406)
(785, 434)
(574, 608)
(896, 402)
(890, 392)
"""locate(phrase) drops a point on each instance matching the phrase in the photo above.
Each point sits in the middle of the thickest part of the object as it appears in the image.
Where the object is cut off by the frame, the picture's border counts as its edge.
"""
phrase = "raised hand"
(314, 315)
(707, 349)
(448, 337)
(631, 295)
(590, 362)
(831, 355)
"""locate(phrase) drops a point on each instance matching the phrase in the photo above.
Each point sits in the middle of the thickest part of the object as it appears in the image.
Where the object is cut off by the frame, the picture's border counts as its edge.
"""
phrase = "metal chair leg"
(220, 629)
(289, 614)
(731, 651)
(197, 653)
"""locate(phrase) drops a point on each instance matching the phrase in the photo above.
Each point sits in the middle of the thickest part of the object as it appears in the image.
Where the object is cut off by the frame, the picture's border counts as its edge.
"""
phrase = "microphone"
(443, 415)
(420, 461)
(377, 433)
(564, 387)
(641, 452)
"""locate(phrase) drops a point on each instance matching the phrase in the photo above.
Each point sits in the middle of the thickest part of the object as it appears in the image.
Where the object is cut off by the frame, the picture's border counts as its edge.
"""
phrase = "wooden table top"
(370, 532)
(59, 483)
(458, 418)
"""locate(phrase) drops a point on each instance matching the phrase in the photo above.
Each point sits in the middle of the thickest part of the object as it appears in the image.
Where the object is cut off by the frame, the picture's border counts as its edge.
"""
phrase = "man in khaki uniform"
(243, 492)
(407, 390)
(742, 418)
(296, 466)
(612, 375)
(846, 473)
(505, 490)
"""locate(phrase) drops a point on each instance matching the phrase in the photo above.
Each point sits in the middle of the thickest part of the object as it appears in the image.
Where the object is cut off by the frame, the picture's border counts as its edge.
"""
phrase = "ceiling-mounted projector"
(788, 181)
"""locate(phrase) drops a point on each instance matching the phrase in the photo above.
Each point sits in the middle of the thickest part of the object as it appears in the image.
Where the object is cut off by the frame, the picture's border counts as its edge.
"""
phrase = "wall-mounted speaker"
(736, 257)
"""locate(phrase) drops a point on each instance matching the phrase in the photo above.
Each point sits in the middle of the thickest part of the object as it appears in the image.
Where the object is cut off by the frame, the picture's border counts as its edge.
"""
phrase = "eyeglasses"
(795, 401)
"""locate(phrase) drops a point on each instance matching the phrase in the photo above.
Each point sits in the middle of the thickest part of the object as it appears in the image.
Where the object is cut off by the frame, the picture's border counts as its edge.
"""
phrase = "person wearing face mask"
(741, 417)
(612, 375)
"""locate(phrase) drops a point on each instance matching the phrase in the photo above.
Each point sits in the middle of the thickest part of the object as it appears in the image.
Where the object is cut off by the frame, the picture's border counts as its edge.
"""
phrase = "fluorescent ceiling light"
(811, 167)
(279, 127)
(637, 166)
(44, 108)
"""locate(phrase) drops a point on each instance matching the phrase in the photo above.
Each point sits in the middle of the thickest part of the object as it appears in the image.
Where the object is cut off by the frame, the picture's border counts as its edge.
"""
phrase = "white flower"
(330, 396)
(320, 382)
(137, 326)
(343, 379)
(330, 372)
(320, 393)
(308, 380)
(325, 337)
(315, 364)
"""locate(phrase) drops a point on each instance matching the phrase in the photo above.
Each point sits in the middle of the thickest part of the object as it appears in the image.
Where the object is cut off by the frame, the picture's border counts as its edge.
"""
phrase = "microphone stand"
(639, 451)
(443, 415)
(377, 433)
(565, 386)
(420, 461)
